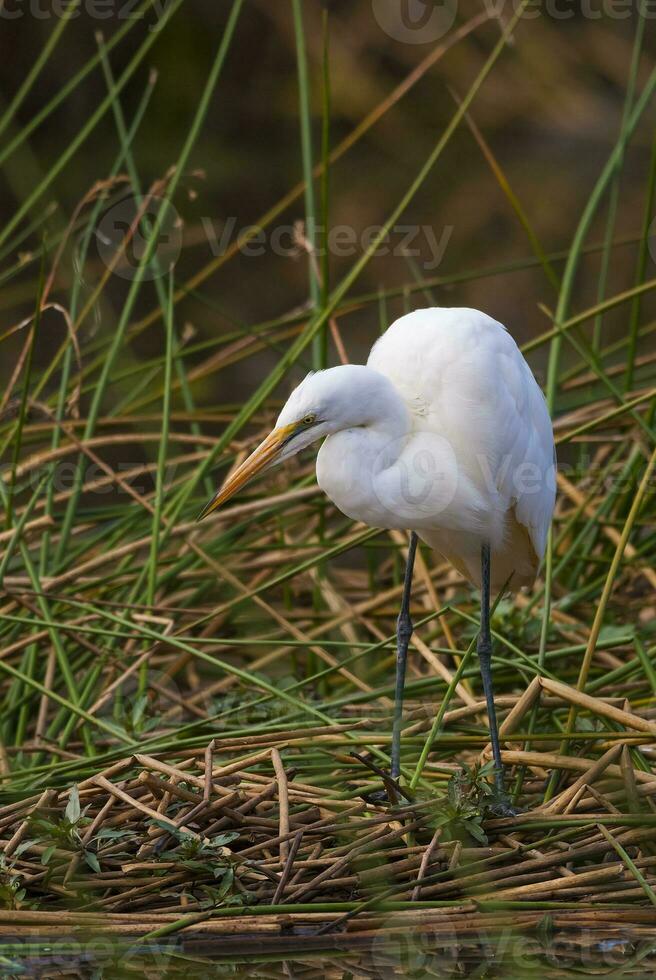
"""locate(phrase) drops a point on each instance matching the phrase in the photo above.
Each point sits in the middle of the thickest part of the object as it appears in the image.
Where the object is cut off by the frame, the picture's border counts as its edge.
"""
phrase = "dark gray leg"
(403, 634)
(484, 650)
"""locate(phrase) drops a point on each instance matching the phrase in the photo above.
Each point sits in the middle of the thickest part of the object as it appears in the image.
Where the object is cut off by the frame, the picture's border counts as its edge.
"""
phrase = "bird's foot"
(502, 809)
(501, 806)
(379, 797)
(390, 795)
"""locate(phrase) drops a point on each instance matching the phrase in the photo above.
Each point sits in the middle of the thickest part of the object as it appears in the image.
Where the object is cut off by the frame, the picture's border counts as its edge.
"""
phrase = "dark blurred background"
(550, 112)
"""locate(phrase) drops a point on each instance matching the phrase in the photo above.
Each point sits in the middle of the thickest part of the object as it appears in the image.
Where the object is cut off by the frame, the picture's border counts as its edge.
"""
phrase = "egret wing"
(464, 379)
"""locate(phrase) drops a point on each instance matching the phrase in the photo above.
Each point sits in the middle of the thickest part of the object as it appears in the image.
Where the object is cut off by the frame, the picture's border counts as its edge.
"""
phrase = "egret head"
(324, 403)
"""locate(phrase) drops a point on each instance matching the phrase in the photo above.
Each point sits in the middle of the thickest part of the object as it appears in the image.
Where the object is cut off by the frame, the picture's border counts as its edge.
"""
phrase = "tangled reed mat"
(233, 839)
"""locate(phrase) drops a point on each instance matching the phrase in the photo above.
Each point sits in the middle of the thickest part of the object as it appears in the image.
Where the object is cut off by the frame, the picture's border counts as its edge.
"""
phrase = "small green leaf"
(138, 709)
(92, 860)
(226, 883)
(72, 812)
(611, 631)
(170, 829)
(223, 839)
(476, 831)
(112, 833)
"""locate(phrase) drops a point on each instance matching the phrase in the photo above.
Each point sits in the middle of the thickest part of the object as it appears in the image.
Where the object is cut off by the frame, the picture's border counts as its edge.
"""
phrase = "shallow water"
(414, 954)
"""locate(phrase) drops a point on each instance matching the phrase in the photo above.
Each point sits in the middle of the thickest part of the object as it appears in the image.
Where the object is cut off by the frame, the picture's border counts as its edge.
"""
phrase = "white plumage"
(463, 377)
(444, 432)
(459, 447)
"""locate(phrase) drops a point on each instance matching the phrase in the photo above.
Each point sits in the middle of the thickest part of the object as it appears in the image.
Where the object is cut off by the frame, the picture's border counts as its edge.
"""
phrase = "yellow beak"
(265, 454)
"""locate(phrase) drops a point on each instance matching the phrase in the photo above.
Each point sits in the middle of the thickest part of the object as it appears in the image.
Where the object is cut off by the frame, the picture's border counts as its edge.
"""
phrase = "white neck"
(368, 439)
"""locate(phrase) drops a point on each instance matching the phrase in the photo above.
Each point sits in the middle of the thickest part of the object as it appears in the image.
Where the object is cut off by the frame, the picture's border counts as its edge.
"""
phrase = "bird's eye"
(309, 419)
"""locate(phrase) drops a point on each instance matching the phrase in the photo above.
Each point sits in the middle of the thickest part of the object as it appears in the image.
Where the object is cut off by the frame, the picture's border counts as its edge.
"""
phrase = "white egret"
(444, 433)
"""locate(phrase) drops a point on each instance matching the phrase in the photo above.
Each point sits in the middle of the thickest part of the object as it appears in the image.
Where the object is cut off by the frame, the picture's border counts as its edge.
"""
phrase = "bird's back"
(464, 379)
